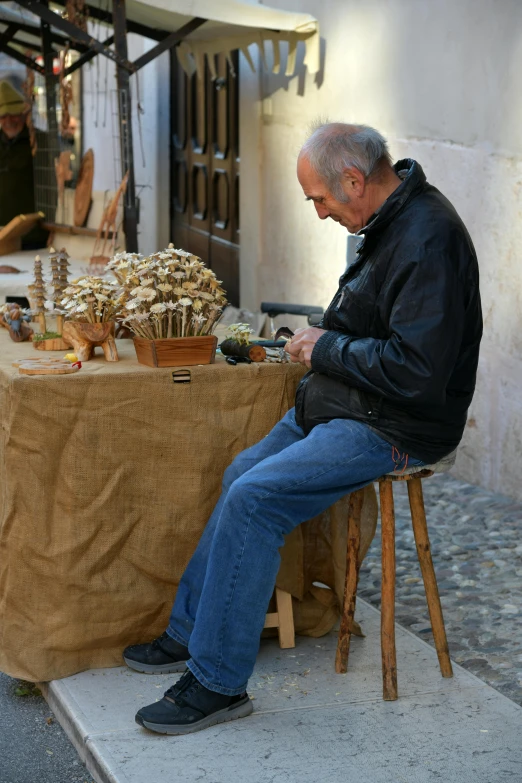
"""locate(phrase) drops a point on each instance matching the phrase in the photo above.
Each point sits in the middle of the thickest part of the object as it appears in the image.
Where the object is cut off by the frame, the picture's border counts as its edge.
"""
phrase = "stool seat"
(442, 466)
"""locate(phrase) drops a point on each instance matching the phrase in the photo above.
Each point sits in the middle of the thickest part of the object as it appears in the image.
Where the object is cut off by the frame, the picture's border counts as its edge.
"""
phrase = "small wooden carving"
(62, 165)
(13, 318)
(84, 337)
(107, 226)
(83, 190)
(9, 270)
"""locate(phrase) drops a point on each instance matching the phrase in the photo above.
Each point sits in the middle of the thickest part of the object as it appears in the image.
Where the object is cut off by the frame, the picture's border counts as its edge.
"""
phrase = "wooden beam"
(130, 207)
(132, 27)
(51, 82)
(86, 57)
(55, 38)
(168, 42)
(44, 12)
(21, 58)
(9, 33)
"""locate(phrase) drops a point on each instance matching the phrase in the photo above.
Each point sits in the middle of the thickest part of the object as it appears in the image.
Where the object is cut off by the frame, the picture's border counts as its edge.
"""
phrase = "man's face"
(12, 124)
(349, 213)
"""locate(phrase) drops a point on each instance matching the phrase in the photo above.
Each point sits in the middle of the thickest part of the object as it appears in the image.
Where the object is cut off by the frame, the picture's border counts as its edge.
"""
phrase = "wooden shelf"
(74, 230)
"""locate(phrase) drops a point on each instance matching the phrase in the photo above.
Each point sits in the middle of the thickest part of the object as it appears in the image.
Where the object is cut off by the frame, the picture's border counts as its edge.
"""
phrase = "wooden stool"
(414, 478)
(282, 619)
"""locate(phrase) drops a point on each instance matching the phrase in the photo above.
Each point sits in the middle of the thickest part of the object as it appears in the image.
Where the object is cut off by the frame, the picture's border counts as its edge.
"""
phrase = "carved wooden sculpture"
(39, 294)
(108, 225)
(84, 337)
(62, 166)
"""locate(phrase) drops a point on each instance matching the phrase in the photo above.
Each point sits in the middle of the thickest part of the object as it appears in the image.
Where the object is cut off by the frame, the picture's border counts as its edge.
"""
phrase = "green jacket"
(17, 184)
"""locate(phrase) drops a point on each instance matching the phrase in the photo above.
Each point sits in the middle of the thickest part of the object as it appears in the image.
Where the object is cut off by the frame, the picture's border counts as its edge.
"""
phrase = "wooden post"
(389, 655)
(43, 201)
(130, 209)
(285, 614)
(422, 541)
(352, 577)
(50, 84)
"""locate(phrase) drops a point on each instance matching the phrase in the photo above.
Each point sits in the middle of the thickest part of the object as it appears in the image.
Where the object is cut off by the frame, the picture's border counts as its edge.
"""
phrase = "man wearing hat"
(16, 159)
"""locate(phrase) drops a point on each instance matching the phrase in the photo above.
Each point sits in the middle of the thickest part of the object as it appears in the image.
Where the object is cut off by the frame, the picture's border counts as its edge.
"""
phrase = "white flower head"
(146, 294)
(158, 308)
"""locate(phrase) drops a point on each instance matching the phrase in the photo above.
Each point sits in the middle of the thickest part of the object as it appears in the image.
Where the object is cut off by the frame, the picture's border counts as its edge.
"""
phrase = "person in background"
(16, 160)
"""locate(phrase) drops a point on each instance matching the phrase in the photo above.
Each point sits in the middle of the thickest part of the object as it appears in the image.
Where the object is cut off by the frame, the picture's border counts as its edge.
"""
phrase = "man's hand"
(301, 345)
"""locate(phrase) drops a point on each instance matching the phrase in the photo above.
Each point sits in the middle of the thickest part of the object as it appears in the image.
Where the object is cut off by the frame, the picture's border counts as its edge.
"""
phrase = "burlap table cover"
(107, 478)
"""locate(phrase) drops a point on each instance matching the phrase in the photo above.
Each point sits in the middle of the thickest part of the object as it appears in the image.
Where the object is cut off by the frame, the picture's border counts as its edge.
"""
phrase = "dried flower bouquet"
(92, 300)
(169, 294)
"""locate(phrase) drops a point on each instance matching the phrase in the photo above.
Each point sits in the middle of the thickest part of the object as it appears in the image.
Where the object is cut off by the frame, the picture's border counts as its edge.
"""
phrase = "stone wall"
(440, 81)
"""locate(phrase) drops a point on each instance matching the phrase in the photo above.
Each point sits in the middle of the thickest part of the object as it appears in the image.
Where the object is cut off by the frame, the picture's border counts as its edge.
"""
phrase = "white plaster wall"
(440, 79)
(101, 125)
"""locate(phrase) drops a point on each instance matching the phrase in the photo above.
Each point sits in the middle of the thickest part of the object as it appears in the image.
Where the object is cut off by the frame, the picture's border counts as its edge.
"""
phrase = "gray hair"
(336, 146)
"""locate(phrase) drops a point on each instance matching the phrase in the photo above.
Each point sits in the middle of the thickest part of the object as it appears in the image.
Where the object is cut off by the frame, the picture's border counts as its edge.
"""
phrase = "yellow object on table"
(71, 357)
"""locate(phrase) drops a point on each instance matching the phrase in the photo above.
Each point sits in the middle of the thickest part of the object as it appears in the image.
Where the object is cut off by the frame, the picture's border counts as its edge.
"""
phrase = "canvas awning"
(229, 25)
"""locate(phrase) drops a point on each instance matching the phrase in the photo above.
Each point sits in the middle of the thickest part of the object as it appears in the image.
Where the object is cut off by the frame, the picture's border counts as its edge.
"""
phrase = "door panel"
(205, 168)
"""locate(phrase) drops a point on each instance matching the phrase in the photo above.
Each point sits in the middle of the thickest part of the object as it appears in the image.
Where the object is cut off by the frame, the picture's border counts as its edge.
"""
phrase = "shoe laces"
(156, 644)
(185, 686)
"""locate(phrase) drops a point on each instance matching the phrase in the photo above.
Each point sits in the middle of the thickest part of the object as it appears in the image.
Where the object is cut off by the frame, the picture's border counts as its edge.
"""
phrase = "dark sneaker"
(188, 706)
(162, 656)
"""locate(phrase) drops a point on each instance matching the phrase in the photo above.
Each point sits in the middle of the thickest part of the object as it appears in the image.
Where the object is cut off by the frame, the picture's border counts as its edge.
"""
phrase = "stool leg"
(352, 577)
(285, 612)
(389, 655)
(420, 531)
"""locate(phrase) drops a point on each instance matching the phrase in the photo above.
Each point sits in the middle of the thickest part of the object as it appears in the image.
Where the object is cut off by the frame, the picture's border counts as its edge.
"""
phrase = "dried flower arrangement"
(123, 263)
(169, 294)
(92, 300)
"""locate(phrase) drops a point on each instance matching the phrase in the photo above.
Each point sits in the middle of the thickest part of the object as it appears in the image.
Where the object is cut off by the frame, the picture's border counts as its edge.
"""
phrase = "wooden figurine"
(39, 294)
(63, 265)
(57, 290)
(16, 321)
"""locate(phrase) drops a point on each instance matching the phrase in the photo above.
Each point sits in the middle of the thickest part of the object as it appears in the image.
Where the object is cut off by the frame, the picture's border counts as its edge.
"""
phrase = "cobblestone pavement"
(476, 542)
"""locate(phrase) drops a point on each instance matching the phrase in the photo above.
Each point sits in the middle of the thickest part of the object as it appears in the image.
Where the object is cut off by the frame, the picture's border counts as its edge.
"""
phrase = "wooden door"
(205, 168)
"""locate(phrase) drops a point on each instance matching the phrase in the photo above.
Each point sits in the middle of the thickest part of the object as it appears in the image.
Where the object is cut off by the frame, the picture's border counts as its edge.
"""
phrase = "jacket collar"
(413, 180)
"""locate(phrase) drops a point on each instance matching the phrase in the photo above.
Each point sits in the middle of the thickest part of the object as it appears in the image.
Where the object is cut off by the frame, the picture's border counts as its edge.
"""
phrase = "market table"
(107, 479)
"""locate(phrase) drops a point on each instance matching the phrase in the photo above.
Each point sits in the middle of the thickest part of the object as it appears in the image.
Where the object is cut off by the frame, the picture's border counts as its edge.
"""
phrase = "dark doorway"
(205, 168)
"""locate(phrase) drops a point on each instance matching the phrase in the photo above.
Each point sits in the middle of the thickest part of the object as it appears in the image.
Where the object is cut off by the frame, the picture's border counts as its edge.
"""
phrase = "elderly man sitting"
(392, 374)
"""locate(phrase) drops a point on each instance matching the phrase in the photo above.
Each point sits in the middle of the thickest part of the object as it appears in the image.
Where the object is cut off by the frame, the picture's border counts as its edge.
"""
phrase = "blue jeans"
(269, 489)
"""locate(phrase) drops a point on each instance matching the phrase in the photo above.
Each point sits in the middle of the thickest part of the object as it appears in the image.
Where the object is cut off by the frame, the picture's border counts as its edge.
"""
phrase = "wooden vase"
(84, 338)
(176, 351)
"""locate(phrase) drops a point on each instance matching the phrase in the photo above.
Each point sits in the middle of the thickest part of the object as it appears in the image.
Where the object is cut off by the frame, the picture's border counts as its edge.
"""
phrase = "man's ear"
(354, 182)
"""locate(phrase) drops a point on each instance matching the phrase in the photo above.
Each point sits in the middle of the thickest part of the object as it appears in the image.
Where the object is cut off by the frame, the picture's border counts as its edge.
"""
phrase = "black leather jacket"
(403, 331)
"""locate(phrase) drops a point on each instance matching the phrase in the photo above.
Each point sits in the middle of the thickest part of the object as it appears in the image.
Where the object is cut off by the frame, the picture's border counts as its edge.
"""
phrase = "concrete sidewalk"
(310, 725)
